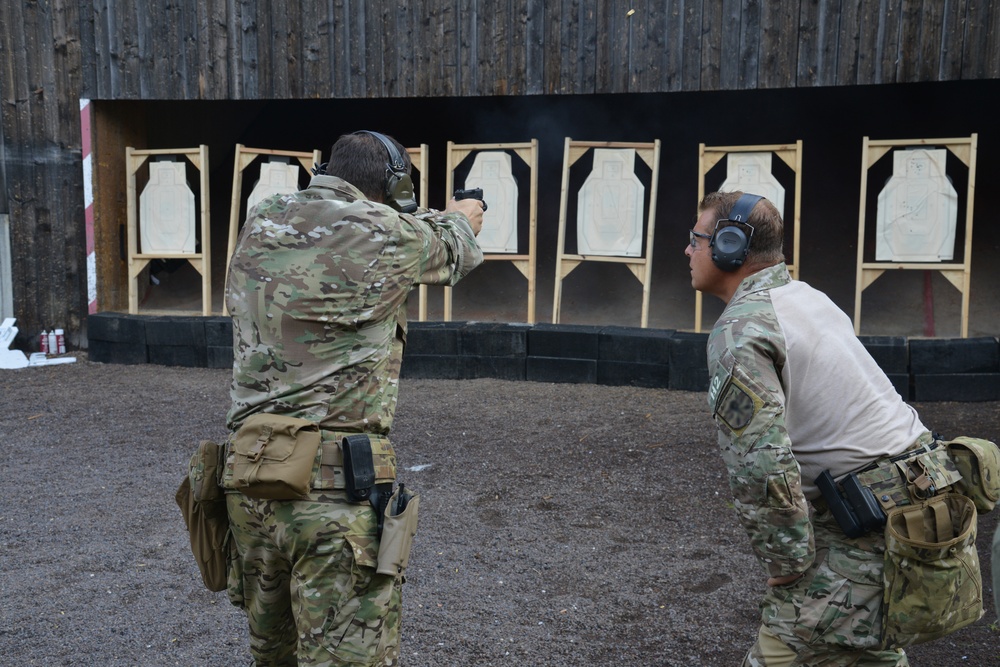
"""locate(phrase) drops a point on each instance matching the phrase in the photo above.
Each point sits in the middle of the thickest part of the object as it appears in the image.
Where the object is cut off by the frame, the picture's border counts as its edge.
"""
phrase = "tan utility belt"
(918, 477)
(917, 474)
(328, 469)
(278, 457)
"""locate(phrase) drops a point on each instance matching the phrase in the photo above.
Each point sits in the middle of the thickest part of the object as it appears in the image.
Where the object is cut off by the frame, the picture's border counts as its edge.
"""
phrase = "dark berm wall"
(932, 369)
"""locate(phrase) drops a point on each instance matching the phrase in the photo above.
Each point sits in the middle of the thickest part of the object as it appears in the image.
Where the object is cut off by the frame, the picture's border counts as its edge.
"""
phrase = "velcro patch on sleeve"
(737, 406)
(736, 399)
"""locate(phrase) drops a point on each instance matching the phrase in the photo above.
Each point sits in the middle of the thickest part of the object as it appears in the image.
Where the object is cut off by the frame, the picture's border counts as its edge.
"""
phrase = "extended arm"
(446, 242)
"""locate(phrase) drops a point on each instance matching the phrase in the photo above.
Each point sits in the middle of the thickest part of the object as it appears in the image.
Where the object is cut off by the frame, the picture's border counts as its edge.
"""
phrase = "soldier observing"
(317, 291)
(833, 474)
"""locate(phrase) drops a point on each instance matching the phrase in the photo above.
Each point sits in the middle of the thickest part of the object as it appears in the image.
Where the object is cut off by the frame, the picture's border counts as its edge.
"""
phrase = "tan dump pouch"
(397, 537)
(203, 506)
(272, 457)
(978, 461)
(205, 471)
(933, 585)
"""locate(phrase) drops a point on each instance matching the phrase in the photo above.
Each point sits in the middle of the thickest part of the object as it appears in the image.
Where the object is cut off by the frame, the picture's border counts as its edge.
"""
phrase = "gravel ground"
(560, 525)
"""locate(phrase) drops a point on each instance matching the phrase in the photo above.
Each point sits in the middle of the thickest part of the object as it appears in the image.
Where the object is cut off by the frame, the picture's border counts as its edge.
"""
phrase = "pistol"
(842, 512)
(869, 513)
(472, 193)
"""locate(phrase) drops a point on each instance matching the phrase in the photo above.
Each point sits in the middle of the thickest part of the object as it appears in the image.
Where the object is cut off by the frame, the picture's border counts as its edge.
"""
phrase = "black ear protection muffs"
(731, 244)
(398, 185)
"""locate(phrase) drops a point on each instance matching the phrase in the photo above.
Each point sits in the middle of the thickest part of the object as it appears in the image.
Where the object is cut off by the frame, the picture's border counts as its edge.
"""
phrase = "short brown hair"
(363, 161)
(767, 243)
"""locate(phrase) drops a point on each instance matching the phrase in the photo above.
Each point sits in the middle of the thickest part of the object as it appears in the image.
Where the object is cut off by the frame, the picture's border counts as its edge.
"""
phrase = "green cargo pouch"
(203, 506)
(399, 528)
(932, 581)
(978, 461)
(271, 457)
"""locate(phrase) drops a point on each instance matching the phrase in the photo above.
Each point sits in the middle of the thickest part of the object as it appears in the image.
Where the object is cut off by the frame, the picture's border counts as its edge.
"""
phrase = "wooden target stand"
(244, 158)
(641, 267)
(526, 264)
(138, 261)
(420, 158)
(791, 155)
(958, 274)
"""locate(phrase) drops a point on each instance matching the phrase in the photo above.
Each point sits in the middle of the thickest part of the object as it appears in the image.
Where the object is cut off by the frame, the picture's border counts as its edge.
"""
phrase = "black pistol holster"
(359, 476)
(855, 508)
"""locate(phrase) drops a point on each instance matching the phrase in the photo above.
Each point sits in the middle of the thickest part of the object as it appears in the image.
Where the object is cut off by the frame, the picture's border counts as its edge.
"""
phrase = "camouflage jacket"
(317, 290)
(746, 352)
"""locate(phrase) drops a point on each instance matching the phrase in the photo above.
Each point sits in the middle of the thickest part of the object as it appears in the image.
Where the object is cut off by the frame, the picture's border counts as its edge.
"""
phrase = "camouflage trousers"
(831, 616)
(304, 572)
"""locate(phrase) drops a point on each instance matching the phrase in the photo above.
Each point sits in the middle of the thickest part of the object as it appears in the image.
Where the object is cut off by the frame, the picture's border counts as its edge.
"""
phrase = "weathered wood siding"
(55, 52)
(39, 103)
(257, 49)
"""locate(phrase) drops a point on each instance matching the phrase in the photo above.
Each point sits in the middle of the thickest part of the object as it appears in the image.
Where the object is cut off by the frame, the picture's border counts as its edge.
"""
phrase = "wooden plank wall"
(55, 52)
(256, 49)
(40, 60)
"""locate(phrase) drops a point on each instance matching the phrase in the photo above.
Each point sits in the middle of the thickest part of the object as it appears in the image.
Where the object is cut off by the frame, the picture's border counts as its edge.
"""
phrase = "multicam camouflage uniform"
(317, 291)
(995, 559)
(794, 392)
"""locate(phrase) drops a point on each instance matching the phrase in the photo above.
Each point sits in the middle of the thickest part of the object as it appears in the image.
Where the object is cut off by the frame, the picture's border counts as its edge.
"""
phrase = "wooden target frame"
(791, 155)
(525, 263)
(244, 158)
(641, 267)
(138, 261)
(959, 274)
(420, 158)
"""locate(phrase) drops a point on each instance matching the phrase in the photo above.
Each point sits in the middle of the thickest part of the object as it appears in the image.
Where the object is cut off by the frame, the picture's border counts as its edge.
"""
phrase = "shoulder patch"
(735, 399)
(737, 406)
